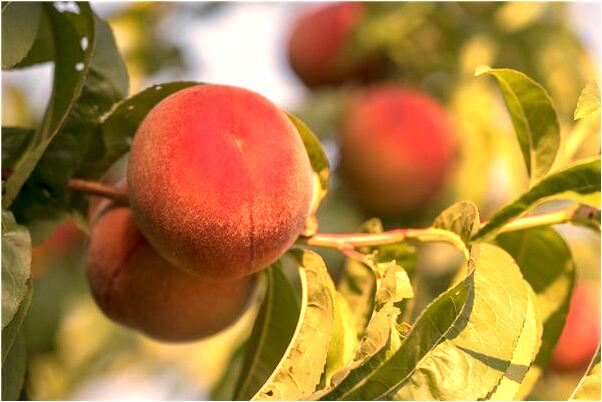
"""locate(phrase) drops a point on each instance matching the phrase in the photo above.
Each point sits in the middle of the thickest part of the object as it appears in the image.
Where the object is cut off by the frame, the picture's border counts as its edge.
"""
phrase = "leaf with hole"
(71, 67)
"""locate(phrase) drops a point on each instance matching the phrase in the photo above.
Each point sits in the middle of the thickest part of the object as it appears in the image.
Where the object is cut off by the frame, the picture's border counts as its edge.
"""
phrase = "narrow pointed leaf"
(273, 330)
(298, 372)
(589, 100)
(579, 182)
(588, 388)
(533, 117)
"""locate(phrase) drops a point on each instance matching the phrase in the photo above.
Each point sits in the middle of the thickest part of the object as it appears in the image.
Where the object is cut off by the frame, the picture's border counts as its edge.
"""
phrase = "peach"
(319, 41)
(581, 333)
(135, 287)
(219, 180)
(397, 148)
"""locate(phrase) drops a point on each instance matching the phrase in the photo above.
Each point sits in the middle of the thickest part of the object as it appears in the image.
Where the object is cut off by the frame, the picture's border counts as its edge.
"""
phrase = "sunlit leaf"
(393, 286)
(343, 341)
(273, 330)
(588, 388)
(317, 157)
(72, 63)
(589, 100)
(533, 117)
(579, 182)
(20, 22)
(461, 345)
(357, 285)
(546, 263)
(16, 260)
(526, 349)
(13, 370)
(462, 218)
(299, 371)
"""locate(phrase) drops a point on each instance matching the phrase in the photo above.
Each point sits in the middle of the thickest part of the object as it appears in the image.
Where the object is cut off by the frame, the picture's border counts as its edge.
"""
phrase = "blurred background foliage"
(76, 353)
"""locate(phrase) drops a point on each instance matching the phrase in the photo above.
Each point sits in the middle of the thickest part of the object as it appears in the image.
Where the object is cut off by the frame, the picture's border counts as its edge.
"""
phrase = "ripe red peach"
(219, 180)
(319, 41)
(397, 148)
(581, 334)
(135, 287)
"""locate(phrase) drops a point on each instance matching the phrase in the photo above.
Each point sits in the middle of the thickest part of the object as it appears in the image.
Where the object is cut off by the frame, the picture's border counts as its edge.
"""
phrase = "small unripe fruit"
(219, 181)
(581, 334)
(319, 40)
(134, 286)
(397, 148)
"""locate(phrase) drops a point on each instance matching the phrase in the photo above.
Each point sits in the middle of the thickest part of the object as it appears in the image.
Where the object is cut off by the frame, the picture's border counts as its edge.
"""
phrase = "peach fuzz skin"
(317, 45)
(397, 148)
(219, 181)
(135, 287)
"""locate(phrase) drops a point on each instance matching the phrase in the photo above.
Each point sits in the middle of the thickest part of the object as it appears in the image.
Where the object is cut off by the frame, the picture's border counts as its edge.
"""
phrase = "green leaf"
(16, 260)
(71, 67)
(45, 196)
(11, 331)
(299, 371)
(226, 386)
(589, 100)
(461, 345)
(462, 218)
(14, 143)
(579, 182)
(43, 48)
(588, 388)
(547, 265)
(533, 117)
(317, 158)
(343, 340)
(527, 347)
(44, 200)
(357, 286)
(19, 27)
(13, 370)
(393, 286)
(120, 124)
(272, 332)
